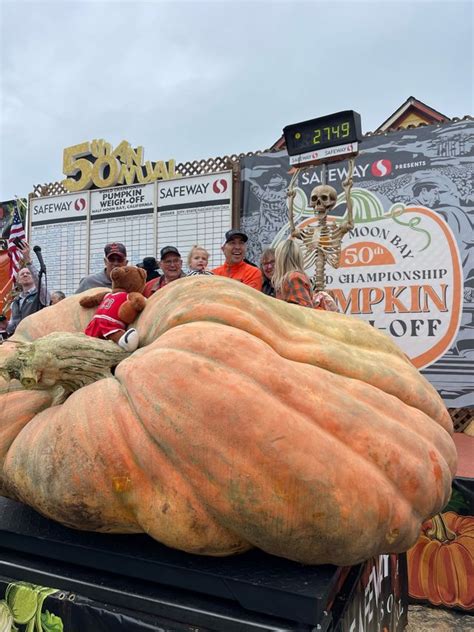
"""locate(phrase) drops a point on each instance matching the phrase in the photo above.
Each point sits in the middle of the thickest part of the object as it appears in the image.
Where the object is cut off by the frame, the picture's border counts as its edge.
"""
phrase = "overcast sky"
(192, 80)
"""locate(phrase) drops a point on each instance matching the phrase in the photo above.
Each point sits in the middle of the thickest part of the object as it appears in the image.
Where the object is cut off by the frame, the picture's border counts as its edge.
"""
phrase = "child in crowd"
(292, 284)
(198, 258)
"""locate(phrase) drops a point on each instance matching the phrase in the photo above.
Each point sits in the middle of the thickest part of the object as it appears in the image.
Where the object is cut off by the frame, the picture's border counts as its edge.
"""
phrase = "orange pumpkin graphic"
(441, 564)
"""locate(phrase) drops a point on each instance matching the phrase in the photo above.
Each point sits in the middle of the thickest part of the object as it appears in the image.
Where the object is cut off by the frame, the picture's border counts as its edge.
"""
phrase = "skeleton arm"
(347, 186)
(291, 193)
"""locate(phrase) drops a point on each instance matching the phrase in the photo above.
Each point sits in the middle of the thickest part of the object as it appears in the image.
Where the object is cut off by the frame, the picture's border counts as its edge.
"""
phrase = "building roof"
(410, 112)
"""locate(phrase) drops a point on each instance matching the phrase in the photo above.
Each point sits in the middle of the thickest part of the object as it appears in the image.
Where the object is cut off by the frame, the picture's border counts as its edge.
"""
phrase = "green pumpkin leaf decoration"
(6, 617)
(22, 599)
(51, 622)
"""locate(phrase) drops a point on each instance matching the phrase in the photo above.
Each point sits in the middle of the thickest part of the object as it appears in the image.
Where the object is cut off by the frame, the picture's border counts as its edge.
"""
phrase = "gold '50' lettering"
(110, 167)
(73, 164)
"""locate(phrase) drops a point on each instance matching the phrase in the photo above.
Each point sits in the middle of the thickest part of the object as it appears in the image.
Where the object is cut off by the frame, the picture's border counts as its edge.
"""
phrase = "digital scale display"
(341, 128)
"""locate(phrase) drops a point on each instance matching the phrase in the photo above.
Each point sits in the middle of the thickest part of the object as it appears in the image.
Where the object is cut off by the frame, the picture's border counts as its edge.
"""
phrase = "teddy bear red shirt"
(106, 319)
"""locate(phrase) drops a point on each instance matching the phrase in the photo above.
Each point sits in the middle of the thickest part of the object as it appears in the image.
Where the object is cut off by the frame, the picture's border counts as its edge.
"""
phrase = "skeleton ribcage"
(322, 241)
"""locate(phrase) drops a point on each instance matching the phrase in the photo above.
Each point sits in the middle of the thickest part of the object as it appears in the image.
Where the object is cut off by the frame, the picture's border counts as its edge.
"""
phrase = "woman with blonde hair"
(291, 282)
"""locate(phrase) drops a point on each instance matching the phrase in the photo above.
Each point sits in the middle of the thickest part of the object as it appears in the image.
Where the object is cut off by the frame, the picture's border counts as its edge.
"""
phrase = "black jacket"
(22, 307)
(267, 287)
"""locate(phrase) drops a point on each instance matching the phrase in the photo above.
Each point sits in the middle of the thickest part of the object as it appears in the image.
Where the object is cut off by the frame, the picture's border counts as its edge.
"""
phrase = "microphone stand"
(41, 273)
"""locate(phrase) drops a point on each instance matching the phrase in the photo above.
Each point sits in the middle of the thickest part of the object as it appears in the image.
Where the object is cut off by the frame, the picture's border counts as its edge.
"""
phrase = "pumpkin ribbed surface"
(241, 421)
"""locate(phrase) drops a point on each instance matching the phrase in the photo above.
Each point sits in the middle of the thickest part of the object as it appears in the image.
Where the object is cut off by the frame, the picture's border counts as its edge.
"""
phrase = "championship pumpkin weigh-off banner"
(407, 266)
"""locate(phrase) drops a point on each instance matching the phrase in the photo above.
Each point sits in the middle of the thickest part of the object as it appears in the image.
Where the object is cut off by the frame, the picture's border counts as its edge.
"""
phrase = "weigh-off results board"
(58, 224)
(195, 210)
(124, 214)
(72, 230)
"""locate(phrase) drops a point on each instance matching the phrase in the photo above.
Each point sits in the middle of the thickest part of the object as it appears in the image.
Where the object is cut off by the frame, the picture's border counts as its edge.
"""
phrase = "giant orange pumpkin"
(441, 564)
(241, 421)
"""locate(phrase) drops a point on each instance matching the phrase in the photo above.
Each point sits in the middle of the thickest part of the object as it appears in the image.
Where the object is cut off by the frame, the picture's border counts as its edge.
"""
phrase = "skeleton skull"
(323, 199)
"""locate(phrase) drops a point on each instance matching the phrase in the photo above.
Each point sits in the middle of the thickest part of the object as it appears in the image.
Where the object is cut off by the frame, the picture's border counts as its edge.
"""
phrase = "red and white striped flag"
(17, 232)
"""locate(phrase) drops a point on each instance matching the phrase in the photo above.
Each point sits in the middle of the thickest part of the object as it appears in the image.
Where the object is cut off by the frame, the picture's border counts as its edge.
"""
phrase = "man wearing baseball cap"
(115, 257)
(234, 249)
(172, 266)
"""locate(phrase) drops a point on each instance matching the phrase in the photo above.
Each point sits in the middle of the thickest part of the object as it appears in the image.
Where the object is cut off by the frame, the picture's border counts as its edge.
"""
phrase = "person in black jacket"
(151, 266)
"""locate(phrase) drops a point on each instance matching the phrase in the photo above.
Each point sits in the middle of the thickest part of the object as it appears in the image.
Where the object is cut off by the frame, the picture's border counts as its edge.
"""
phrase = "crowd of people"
(280, 275)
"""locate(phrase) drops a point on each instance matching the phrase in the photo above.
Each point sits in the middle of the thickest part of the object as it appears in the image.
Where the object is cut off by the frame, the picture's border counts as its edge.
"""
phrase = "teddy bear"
(118, 307)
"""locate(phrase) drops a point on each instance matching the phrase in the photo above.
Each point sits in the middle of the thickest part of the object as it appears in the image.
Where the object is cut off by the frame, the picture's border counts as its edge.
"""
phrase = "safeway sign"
(59, 208)
(211, 188)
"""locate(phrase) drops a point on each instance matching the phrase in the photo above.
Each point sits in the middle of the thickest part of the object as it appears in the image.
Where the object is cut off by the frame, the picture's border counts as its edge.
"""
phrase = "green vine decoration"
(399, 209)
(21, 610)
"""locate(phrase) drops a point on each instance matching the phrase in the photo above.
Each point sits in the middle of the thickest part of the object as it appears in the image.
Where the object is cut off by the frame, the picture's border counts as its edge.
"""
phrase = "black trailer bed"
(136, 572)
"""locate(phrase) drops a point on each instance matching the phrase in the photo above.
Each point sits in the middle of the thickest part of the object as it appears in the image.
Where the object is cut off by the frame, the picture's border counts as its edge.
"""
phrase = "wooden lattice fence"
(44, 190)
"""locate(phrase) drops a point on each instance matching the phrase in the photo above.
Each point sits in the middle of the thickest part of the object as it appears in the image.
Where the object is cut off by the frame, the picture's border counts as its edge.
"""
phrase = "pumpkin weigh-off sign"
(240, 422)
(400, 271)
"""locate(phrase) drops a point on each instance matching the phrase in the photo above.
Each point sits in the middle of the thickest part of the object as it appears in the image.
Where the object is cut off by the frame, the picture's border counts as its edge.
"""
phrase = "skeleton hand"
(291, 193)
(296, 234)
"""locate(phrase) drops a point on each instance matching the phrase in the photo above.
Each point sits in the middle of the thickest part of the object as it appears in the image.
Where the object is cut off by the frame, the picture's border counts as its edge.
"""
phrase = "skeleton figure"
(322, 243)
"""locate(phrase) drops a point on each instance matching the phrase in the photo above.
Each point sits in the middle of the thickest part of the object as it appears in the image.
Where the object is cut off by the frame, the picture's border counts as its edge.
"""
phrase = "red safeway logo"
(381, 168)
(219, 186)
(80, 204)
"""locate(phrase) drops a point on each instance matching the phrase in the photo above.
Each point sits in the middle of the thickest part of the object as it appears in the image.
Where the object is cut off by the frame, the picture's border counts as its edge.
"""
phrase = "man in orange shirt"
(234, 249)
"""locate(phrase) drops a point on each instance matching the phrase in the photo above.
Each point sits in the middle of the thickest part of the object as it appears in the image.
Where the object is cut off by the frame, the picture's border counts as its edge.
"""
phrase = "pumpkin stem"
(439, 530)
(29, 378)
(62, 363)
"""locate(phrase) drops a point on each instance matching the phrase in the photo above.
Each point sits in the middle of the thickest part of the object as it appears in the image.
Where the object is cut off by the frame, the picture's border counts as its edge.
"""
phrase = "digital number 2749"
(330, 133)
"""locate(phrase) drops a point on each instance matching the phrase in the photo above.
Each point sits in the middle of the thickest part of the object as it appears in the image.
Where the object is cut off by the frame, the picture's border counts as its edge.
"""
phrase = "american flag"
(16, 232)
